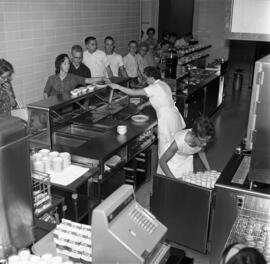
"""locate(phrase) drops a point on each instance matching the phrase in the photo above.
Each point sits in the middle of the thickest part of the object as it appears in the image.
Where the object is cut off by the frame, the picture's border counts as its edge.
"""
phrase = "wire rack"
(252, 225)
(41, 187)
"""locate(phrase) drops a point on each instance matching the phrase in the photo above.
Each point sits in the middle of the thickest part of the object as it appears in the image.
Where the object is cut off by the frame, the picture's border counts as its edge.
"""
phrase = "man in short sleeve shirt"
(76, 65)
(96, 59)
(115, 60)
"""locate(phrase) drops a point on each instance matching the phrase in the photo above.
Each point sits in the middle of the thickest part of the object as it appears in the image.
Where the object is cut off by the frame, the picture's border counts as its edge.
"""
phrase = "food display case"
(47, 116)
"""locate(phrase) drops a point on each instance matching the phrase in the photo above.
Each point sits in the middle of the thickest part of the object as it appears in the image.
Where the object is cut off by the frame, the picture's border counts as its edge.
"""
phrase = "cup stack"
(50, 161)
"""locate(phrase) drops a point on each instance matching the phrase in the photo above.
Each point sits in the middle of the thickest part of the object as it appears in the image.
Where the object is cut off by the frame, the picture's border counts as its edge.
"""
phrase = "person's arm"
(109, 71)
(141, 78)
(142, 106)
(47, 89)
(123, 72)
(131, 92)
(167, 155)
(204, 159)
(9, 89)
(93, 80)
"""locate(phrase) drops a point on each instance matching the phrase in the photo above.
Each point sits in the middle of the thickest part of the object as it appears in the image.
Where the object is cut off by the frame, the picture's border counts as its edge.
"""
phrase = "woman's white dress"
(182, 162)
(170, 120)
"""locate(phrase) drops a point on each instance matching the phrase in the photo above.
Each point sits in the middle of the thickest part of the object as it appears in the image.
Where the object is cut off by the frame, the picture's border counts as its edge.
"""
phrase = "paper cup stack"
(46, 160)
(24, 257)
(205, 179)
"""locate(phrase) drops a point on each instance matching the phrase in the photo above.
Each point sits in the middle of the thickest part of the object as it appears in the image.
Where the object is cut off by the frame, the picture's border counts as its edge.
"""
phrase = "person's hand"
(141, 107)
(114, 86)
(107, 80)
(6, 86)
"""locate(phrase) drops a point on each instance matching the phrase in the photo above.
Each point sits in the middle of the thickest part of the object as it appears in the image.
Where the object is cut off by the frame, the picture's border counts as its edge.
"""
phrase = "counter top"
(225, 179)
(101, 146)
(190, 89)
(56, 101)
(72, 187)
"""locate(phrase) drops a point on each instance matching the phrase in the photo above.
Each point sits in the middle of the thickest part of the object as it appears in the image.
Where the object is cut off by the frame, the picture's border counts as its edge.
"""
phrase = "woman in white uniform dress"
(177, 160)
(159, 93)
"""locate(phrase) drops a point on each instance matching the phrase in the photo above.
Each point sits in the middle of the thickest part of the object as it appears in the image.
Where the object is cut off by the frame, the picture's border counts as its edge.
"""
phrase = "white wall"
(209, 25)
(34, 32)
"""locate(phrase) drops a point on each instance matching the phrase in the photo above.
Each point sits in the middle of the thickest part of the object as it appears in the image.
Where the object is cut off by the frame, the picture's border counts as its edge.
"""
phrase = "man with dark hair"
(115, 60)
(76, 65)
(141, 56)
(150, 37)
(96, 59)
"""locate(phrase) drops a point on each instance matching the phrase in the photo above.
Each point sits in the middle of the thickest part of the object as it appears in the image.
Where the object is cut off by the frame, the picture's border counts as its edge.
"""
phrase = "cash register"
(125, 232)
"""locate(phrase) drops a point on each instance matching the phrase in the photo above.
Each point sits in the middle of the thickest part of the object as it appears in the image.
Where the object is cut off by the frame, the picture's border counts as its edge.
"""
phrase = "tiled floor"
(231, 123)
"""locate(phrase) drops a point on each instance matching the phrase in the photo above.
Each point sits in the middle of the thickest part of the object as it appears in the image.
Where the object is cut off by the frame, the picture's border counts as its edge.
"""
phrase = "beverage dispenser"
(171, 64)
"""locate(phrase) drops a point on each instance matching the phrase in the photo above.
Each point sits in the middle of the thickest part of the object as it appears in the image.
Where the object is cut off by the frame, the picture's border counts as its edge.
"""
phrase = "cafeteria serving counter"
(86, 127)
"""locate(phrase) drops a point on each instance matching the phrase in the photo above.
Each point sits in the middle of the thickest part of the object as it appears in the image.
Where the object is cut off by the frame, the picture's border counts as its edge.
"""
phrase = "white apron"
(182, 162)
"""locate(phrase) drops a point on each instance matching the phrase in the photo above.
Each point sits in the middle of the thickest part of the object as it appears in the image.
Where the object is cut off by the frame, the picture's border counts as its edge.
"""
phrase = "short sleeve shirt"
(56, 86)
(82, 70)
(131, 65)
(97, 62)
(142, 63)
(159, 94)
(5, 104)
(115, 61)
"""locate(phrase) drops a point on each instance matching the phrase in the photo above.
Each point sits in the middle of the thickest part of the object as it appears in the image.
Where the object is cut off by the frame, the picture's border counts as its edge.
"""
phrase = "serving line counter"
(201, 93)
(86, 127)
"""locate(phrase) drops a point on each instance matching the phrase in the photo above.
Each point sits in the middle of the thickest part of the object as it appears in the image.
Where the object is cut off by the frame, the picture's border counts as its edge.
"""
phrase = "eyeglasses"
(78, 58)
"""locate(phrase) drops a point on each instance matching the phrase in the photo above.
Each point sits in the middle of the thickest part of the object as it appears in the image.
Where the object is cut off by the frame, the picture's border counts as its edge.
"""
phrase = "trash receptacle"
(237, 79)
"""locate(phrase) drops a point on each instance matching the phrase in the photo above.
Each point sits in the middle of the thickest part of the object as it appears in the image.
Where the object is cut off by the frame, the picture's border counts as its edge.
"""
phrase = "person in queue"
(152, 58)
(96, 59)
(63, 81)
(177, 160)
(76, 65)
(172, 39)
(150, 37)
(164, 47)
(141, 56)
(115, 60)
(131, 63)
(7, 96)
(159, 93)
(241, 254)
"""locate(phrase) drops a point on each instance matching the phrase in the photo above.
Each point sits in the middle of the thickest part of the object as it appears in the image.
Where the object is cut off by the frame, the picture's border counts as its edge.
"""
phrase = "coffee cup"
(38, 165)
(66, 159)
(57, 164)
(44, 152)
(47, 163)
(121, 129)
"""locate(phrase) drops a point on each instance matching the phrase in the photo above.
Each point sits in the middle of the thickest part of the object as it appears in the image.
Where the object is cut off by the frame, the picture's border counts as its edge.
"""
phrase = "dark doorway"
(176, 16)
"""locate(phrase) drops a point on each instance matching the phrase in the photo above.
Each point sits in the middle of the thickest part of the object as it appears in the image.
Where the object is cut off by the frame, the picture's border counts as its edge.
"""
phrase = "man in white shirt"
(131, 63)
(96, 59)
(115, 60)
